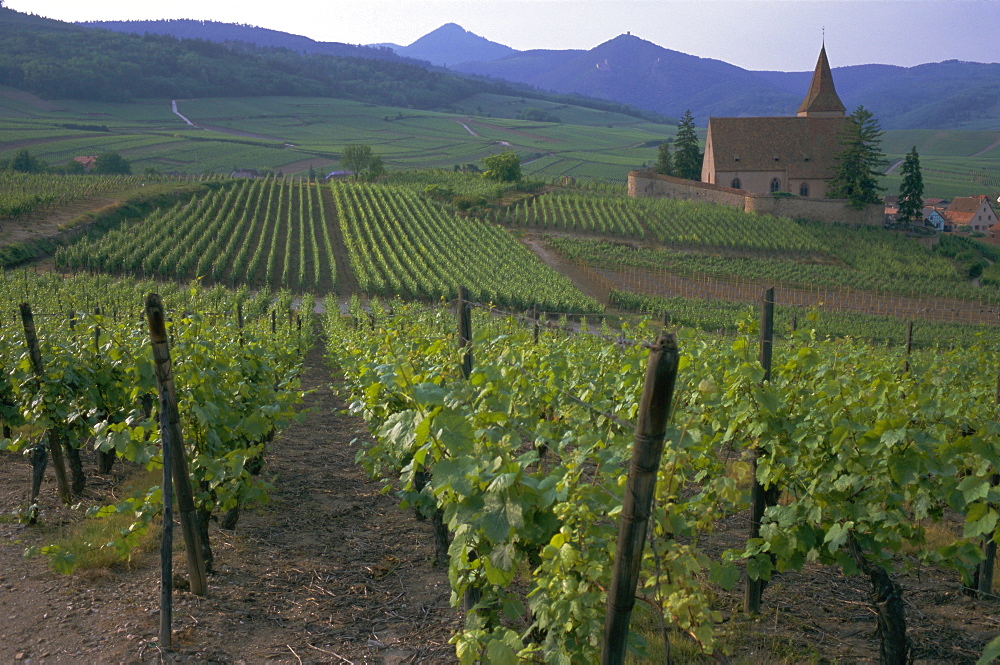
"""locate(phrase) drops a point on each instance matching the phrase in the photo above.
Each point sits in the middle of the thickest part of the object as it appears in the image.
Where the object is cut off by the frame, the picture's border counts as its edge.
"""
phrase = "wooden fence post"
(759, 499)
(650, 431)
(55, 441)
(170, 428)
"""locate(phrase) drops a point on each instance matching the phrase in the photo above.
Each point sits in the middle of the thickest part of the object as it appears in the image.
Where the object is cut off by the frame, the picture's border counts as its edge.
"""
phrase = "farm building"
(782, 154)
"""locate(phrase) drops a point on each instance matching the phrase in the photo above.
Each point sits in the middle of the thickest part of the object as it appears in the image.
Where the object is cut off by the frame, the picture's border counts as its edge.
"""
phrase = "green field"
(290, 135)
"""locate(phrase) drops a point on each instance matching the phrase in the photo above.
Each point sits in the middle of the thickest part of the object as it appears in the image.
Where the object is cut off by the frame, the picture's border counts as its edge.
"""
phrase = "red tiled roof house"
(974, 213)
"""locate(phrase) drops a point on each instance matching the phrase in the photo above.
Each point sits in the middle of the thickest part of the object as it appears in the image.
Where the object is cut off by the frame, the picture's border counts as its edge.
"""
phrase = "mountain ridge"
(629, 70)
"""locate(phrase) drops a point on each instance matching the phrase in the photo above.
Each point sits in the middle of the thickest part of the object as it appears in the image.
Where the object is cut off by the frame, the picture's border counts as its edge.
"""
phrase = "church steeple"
(822, 101)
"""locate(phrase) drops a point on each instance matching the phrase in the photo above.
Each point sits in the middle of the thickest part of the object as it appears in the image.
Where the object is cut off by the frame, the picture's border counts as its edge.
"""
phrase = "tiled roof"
(822, 96)
(966, 204)
(801, 147)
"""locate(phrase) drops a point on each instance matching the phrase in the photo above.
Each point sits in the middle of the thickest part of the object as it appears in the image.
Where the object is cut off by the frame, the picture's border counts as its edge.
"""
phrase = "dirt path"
(467, 128)
(583, 278)
(347, 284)
(987, 148)
(331, 570)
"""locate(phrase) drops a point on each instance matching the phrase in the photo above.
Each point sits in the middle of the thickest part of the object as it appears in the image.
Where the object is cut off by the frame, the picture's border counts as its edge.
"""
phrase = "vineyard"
(515, 444)
(401, 244)
(90, 382)
(22, 194)
(704, 241)
(718, 307)
(260, 232)
(286, 233)
(522, 461)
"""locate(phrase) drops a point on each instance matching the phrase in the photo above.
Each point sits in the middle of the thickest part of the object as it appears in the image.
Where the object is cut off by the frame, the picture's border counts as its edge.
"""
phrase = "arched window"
(775, 185)
(736, 184)
(804, 189)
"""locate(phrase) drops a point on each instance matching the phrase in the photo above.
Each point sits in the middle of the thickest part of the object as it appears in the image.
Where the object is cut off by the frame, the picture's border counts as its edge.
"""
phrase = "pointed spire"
(822, 101)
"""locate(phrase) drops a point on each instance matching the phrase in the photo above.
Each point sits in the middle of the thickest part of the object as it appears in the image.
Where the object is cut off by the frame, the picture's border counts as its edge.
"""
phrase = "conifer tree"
(860, 161)
(911, 191)
(687, 155)
(664, 161)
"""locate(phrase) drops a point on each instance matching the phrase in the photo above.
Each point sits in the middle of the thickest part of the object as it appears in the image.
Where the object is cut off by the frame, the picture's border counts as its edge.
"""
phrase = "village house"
(934, 219)
(783, 154)
(88, 161)
(971, 213)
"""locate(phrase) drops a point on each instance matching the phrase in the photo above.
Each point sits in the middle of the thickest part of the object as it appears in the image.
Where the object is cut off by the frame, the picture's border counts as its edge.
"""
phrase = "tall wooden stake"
(650, 431)
(170, 428)
(985, 586)
(55, 441)
(909, 346)
(758, 496)
(166, 542)
(465, 330)
(472, 594)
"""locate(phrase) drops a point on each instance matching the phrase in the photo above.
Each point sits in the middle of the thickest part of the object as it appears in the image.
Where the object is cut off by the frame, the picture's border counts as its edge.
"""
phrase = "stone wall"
(643, 184)
(821, 210)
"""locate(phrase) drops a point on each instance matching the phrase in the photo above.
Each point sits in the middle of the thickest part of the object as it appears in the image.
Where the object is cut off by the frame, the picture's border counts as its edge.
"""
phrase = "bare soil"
(45, 224)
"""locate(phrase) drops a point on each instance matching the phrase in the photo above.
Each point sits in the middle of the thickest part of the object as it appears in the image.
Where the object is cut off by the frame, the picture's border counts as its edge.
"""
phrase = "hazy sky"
(755, 34)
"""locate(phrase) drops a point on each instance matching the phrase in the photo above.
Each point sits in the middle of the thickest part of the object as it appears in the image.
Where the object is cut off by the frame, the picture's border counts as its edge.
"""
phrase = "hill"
(637, 72)
(634, 71)
(59, 60)
(215, 31)
(451, 44)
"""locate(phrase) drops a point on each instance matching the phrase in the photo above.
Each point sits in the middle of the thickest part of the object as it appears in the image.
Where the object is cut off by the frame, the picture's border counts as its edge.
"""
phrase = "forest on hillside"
(61, 61)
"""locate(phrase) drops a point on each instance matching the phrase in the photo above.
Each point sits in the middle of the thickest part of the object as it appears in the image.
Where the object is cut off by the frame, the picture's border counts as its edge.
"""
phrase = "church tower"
(822, 101)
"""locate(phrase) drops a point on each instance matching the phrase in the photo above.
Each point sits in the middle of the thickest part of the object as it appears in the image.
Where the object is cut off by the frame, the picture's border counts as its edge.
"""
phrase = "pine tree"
(911, 191)
(860, 161)
(664, 161)
(687, 156)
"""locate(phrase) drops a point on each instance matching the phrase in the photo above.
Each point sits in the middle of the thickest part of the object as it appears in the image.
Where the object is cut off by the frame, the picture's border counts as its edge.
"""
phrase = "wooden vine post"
(650, 434)
(759, 499)
(167, 544)
(472, 595)
(55, 441)
(170, 432)
(465, 330)
(909, 346)
(985, 573)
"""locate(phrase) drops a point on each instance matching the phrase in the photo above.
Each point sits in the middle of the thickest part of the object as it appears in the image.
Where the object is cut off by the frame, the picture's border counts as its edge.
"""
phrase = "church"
(785, 154)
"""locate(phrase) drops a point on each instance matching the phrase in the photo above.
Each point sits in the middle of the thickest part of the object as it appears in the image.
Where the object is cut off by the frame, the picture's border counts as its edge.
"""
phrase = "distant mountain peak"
(452, 44)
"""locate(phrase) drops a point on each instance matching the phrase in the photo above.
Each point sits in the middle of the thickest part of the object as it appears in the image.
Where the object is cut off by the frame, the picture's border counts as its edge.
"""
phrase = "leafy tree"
(664, 161)
(111, 163)
(73, 167)
(860, 161)
(24, 162)
(505, 166)
(361, 159)
(911, 191)
(687, 155)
